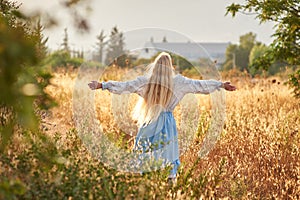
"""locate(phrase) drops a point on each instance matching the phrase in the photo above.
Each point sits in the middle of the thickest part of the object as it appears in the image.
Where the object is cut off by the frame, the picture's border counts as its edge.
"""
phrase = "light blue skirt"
(158, 141)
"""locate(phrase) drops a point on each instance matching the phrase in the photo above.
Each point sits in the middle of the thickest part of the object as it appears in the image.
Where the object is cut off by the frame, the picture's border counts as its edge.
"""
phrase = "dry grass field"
(256, 157)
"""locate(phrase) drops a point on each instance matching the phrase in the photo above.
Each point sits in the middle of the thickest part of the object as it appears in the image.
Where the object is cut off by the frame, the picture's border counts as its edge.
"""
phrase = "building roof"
(188, 50)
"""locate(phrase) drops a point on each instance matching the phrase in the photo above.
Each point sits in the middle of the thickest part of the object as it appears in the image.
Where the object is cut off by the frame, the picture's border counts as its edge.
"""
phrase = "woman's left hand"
(94, 85)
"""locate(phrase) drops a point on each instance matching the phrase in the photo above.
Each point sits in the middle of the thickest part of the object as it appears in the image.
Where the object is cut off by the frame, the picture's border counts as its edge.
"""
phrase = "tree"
(81, 54)
(230, 55)
(237, 56)
(247, 41)
(164, 40)
(22, 78)
(286, 38)
(115, 48)
(257, 51)
(65, 43)
(295, 83)
(41, 48)
(100, 45)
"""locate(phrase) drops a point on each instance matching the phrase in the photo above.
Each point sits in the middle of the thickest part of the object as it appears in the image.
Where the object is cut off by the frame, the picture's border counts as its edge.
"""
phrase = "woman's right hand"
(94, 85)
(227, 86)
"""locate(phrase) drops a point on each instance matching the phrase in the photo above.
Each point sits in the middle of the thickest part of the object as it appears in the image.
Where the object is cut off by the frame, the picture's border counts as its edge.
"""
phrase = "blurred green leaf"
(22, 77)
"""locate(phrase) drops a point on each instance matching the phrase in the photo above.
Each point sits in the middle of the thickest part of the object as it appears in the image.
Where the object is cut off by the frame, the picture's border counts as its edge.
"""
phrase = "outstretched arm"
(188, 85)
(133, 86)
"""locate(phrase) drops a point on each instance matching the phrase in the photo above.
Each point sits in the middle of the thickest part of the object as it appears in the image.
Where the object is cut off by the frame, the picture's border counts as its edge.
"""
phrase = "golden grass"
(260, 141)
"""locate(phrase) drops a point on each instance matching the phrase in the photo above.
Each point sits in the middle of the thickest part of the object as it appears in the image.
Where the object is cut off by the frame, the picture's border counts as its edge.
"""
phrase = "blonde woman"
(161, 91)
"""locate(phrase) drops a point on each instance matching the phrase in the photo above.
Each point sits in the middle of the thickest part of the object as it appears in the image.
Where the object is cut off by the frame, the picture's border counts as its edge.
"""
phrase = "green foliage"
(294, 82)
(259, 61)
(257, 51)
(230, 55)
(11, 189)
(237, 56)
(22, 79)
(142, 62)
(181, 63)
(247, 41)
(63, 58)
(285, 15)
(22, 83)
(41, 48)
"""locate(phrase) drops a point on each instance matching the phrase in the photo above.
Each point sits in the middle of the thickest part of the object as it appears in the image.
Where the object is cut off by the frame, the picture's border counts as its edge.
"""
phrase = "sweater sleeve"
(188, 85)
(126, 87)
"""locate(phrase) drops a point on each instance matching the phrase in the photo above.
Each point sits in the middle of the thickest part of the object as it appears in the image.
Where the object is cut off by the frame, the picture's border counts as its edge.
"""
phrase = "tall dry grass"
(257, 155)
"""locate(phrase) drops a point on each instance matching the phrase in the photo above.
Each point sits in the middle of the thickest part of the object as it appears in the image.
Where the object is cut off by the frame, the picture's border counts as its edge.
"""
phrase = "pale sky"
(199, 20)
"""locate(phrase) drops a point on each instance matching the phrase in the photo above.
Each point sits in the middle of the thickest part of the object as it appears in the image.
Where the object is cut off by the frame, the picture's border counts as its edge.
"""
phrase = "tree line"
(243, 56)
(285, 47)
(112, 47)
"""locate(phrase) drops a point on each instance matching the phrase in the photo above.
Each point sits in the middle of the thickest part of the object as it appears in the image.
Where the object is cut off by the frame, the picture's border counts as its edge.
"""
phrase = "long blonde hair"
(158, 91)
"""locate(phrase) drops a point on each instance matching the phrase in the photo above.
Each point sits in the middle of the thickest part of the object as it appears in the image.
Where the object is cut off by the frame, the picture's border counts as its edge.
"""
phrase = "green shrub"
(63, 58)
(294, 82)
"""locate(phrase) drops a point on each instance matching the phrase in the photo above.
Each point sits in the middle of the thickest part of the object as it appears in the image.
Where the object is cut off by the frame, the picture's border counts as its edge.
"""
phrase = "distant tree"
(164, 39)
(257, 51)
(151, 39)
(237, 56)
(115, 48)
(41, 41)
(62, 58)
(100, 45)
(65, 43)
(81, 54)
(285, 14)
(230, 55)
(247, 41)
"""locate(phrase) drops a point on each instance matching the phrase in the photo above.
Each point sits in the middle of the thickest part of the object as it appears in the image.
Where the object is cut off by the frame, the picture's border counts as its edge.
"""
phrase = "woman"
(161, 91)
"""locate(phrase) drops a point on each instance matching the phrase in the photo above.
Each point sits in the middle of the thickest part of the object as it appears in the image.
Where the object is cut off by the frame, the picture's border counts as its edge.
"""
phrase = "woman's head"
(163, 61)
(159, 90)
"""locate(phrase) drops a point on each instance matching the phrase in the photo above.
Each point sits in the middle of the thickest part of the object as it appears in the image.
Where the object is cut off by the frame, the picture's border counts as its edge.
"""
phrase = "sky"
(196, 20)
